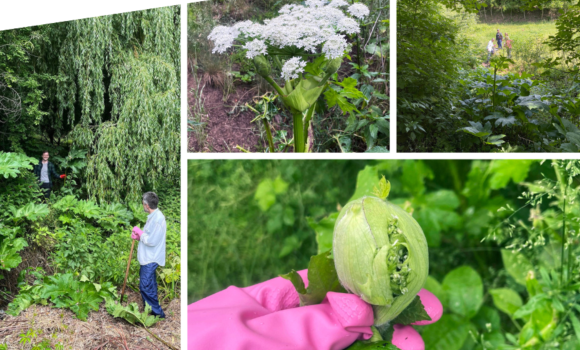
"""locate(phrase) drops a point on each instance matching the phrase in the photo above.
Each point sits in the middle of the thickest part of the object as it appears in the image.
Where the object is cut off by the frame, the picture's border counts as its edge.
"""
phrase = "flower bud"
(380, 254)
(262, 66)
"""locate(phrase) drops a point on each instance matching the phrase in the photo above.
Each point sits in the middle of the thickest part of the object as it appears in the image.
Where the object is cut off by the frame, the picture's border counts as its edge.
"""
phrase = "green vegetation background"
(445, 87)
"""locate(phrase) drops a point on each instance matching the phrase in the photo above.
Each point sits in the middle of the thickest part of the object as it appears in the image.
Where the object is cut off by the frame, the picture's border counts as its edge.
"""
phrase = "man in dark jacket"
(499, 39)
(45, 171)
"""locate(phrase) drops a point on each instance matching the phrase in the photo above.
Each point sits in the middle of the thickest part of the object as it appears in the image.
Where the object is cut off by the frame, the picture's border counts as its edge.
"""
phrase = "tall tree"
(114, 89)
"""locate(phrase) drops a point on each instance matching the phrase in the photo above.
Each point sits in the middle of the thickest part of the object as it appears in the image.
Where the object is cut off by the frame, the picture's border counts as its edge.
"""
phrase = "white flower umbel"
(338, 3)
(334, 46)
(358, 10)
(255, 47)
(313, 27)
(292, 68)
(348, 25)
(223, 38)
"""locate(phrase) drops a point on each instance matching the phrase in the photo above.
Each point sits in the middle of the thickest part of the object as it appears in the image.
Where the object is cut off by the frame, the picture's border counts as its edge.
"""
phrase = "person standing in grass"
(489, 50)
(508, 45)
(45, 172)
(151, 251)
(499, 38)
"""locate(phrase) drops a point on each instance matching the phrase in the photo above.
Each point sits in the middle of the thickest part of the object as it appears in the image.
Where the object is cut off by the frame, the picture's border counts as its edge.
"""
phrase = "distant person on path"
(508, 45)
(45, 171)
(151, 251)
(499, 38)
(489, 50)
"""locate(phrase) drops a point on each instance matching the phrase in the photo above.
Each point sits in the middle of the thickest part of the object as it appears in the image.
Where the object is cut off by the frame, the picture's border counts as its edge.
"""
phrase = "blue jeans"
(148, 288)
(499, 44)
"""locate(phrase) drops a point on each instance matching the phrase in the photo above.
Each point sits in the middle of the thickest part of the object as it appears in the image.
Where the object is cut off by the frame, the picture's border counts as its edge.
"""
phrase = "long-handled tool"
(127, 273)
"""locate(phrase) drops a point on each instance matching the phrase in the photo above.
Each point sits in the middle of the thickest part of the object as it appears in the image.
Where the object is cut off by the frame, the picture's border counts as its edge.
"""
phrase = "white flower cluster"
(358, 10)
(316, 24)
(292, 68)
(255, 47)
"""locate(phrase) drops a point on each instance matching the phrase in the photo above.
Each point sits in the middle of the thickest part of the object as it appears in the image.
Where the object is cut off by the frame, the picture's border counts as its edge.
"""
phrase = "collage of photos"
(140, 209)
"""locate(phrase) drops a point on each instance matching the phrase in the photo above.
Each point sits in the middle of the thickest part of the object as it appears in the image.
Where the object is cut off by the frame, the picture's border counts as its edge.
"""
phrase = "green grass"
(518, 32)
(528, 42)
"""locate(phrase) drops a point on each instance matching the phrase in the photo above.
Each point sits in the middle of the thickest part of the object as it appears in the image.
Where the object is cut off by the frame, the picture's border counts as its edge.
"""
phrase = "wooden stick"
(127, 272)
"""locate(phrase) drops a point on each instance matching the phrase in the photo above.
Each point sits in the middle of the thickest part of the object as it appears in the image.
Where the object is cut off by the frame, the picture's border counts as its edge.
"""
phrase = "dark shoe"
(160, 316)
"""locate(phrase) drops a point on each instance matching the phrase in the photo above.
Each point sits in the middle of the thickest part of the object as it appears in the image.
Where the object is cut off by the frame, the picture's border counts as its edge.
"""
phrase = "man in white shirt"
(489, 50)
(151, 251)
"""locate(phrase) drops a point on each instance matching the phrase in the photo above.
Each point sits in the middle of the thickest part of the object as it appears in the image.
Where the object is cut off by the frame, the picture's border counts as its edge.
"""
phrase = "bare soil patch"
(228, 124)
(100, 331)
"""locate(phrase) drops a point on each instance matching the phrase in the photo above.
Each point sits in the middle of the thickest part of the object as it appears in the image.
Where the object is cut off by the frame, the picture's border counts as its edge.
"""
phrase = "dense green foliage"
(87, 244)
(351, 115)
(495, 231)
(107, 85)
(449, 100)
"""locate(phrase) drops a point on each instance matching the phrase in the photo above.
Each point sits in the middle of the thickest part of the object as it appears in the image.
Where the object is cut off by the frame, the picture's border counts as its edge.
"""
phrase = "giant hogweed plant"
(315, 30)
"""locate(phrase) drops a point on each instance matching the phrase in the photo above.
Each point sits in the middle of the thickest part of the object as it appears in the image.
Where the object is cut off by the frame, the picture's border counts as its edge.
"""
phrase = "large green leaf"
(505, 170)
(517, 265)
(30, 211)
(478, 130)
(464, 290)
(9, 248)
(506, 300)
(131, 313)
(12, 164)
(449, 333)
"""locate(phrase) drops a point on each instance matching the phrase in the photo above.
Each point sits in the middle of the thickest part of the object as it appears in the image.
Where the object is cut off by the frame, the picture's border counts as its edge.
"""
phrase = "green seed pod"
(262, 66)
(333, 65)
(380, 254)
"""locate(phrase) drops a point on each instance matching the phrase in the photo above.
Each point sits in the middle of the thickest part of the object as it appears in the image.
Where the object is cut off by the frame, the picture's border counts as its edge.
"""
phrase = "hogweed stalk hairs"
(317, 29)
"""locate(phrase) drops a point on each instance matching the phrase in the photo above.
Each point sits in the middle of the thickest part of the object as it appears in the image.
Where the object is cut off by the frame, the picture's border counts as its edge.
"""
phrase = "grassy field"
(528, 41)
(518, 32)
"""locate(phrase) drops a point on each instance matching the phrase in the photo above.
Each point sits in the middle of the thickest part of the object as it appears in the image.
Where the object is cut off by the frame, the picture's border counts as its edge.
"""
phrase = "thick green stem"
(298, 131)
(268, 134)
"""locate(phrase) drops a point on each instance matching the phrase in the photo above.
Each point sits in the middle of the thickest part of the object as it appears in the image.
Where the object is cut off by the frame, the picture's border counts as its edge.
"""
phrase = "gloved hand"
(266, 316)
(63, 176)
(136, 233)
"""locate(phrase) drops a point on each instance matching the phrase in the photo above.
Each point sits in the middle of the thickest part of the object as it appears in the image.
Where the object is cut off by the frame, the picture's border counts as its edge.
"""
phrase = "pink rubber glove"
(266, 316)
(136, 233)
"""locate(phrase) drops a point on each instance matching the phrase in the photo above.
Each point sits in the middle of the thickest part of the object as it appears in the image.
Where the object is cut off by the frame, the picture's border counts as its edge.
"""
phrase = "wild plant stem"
(298, 131)
(275, 86)
(493, 96)
(563, 191)
(515, 323)
(268, 134)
